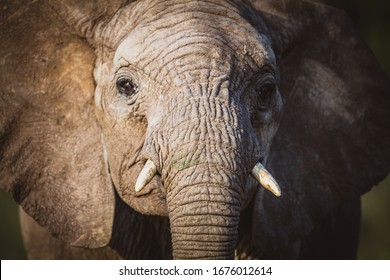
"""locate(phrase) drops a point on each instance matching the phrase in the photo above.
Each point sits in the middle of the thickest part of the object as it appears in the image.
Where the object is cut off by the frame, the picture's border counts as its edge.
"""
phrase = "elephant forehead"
(198, 35)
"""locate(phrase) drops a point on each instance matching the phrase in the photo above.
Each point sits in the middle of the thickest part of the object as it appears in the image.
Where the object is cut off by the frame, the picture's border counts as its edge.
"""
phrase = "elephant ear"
(333, 141)
(51, 155)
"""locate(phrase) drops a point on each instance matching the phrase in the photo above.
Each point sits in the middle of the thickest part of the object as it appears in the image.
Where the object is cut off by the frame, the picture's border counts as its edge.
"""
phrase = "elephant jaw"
(258, 172)
(148, 200)
(147, 194)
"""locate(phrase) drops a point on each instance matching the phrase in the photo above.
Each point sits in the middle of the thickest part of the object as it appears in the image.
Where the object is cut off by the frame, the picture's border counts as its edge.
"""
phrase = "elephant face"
(176, 106)
(168, 91)
(199, 102)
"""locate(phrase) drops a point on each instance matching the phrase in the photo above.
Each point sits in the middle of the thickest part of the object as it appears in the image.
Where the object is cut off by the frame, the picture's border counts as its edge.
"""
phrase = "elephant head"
(174, 95)
(174, 106)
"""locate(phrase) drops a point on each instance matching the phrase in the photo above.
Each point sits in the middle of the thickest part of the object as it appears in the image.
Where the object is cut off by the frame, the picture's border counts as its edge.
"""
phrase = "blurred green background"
(372, 18)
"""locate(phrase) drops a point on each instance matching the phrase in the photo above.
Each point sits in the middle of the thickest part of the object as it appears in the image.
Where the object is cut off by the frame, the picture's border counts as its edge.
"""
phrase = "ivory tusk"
(265, 179)
(146, 175)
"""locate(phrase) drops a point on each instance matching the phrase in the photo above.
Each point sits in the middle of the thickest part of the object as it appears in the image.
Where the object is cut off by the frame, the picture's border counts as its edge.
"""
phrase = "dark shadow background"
(372, 18)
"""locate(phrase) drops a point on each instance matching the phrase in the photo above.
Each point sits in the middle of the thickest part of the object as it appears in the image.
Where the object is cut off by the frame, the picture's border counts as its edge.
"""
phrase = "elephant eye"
(126, 87)
(265, 94)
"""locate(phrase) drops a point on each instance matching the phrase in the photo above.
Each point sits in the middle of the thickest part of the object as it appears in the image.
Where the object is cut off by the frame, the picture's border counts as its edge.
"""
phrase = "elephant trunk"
(204, 172)
(206, 149)
(204, 216)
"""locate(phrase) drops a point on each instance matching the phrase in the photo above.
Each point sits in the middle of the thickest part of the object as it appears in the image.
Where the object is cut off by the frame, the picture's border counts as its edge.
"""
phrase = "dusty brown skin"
(90, 93)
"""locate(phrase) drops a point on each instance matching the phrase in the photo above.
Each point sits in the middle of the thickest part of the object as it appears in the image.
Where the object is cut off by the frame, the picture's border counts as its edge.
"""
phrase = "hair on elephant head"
(146, 128)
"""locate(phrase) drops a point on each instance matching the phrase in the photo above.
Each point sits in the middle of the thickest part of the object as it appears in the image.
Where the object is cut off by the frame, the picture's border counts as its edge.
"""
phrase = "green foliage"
(11, 245)
(375, 228)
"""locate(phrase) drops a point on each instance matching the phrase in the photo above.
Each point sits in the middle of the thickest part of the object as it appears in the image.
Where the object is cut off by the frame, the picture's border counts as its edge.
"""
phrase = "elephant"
(189, 129)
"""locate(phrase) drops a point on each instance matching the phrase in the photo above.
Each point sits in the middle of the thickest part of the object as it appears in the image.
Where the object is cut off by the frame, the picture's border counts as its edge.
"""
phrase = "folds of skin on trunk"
(203, 173)
(204, 207)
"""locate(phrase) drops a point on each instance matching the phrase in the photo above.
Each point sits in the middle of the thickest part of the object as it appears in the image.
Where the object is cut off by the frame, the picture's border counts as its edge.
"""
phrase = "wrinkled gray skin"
(194, 86)
(205, 110)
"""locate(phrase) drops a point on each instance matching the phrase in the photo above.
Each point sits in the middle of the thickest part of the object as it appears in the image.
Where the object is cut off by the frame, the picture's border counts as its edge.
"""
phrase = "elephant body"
(145, 129)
